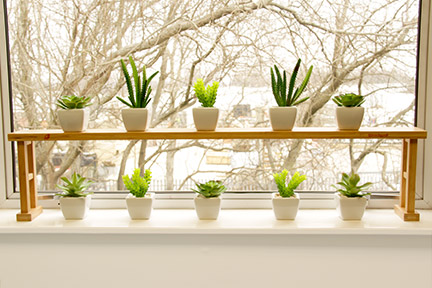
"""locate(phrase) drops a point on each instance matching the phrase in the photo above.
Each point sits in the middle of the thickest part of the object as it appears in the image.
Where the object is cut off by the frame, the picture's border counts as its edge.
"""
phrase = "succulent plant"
(206, 95)
(350, 187)
(284, 189)
(69, 102)
(137, 185)
(210, 189)
(74, 187)
(141, 97)
(288, 97)
(349, 100)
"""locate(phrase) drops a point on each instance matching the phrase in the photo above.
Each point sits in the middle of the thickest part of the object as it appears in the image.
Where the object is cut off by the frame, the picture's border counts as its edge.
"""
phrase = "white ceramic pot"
(73, 120)
(285, 208)
(350, 208)
(283, 118)
(349, 118)
(207, 208)
(135, 119)
(205, 118)
(75, 207)
(140, 208)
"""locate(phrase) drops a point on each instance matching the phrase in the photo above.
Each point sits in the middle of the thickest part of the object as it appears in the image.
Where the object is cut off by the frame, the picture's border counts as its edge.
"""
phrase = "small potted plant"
(74, 202)
(351, 199)
(283, 117)
(206, 116)
(285, 202)
(208, 199)
(73, 116)
(349, 113)
(138, 201)
(135, 117)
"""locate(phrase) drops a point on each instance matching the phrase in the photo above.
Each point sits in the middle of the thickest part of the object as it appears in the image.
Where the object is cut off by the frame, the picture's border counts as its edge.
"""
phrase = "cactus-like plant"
(141, 97)
(137, 185)
(74, 187)
(350, 187)
(285, 95)
(69, 102)
(349, 100)
(206, 95)
(210, 189)
(285, 190)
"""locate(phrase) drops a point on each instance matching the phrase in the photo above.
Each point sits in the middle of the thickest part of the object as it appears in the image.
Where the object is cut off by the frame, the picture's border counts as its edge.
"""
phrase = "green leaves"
(279, 86)
(349, 186)
(210, 189)
(137, 185)
(349, 100)
(288, 190)
(74, 187)
(69, 102)
(206, 96)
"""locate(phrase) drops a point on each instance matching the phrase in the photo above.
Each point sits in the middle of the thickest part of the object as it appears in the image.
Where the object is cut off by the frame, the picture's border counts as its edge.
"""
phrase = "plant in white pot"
(349, 113)
(73, 116)
(74, 202)
(283, 117)
(285, 202)
(206, 116)
(135, 118)
(351, 198)
(138, 201)
(208, 199)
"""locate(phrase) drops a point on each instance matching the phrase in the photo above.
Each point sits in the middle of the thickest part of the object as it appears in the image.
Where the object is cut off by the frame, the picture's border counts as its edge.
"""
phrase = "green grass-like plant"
(139, 98)
(350, 187)
(137, 185)
(74, 187)
(285, 95)
(285, 190)
(210, 189)
(206, 95)
(349, 100)
(69, 102)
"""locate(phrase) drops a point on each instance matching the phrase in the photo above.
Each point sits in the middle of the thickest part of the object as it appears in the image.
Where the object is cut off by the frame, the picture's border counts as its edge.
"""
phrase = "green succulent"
(288, 97)
(349, 100)
(74, 187)
(286, 191)
(141, 97)
(210, 189)
(137, 185)
(206, 96)
(69, 102)
(349, 186)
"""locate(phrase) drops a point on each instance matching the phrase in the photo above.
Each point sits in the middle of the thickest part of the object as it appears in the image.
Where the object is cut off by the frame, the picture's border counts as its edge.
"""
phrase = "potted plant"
(349, 113)
(351, 199)
(206, 116)
(285, 202)
(73, 116)
(283, 117)
(135, 117)
(208, 199)
(138, 201)
(74, 202)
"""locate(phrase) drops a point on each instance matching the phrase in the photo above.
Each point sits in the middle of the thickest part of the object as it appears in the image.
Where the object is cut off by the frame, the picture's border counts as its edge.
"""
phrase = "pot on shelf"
(282, 118)
(73, 120)
(350, 208)
(349, 118)
(207, 208)
(75, 208)
(140, 208)
(135, 119)
(285, 208)
(205, 118)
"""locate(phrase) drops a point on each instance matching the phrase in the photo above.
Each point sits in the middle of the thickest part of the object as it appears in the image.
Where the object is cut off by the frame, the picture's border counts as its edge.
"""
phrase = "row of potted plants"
(350, 197)
(74, 118)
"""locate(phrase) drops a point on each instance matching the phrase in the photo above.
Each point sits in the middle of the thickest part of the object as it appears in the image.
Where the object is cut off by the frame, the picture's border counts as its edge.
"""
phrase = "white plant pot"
(285, 208)
(349, 118)
(74, 120)
(135, 119)
(207, 208)
(75, 207)
(205, 118)
(140, 208)
(283, 118)
(350, 208)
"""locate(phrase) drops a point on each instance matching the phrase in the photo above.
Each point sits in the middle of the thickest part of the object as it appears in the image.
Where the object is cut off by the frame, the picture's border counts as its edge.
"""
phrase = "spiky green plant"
(350, 187)
(141, 96)
(69, 102)
(206, 95)
(285, 95)
(74, 187)
(349, 100)
(210, 189)
(137, 185)
(284, 189)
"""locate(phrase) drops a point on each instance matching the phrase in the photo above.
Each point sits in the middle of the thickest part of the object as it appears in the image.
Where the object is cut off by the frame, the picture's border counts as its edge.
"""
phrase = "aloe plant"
(285, 190)
(139, 98)
(285, 95)
(350, 187)
(74, 187)
(349, 100)
(137, 185)
(69, 102)
(206, 95)
(210, 189)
